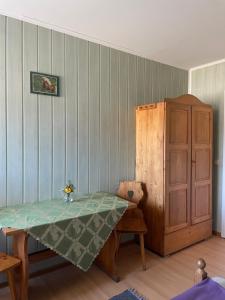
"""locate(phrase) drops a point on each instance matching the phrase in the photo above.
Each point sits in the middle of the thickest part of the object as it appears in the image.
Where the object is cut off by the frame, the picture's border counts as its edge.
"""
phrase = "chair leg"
(12, 285)
(142, 246)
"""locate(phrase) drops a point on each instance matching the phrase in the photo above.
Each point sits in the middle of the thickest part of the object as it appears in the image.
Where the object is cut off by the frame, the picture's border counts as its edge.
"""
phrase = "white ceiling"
(182, 33)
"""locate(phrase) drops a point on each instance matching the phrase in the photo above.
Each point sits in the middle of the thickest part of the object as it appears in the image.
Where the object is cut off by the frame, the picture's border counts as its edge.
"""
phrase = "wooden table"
(106, 260)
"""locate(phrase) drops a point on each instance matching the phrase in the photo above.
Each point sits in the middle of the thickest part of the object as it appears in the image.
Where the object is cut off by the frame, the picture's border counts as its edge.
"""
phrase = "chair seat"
(132, 221)
(8, 262)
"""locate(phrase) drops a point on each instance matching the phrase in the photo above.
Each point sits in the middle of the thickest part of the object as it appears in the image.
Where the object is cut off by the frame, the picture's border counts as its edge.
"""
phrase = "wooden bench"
(7, 265)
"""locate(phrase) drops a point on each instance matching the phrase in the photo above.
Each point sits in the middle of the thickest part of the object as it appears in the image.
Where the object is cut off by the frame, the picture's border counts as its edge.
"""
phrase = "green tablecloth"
(77, 231)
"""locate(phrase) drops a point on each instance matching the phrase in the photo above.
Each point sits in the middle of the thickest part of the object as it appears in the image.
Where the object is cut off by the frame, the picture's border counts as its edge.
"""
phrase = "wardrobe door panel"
(203, 207)
(178, 203)
(201, 122)
(178, 126)
(201, 163)
(177, 166)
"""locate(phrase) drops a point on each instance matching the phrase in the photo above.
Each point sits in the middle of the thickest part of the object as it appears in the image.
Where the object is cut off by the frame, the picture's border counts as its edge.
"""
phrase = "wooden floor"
(165, 277)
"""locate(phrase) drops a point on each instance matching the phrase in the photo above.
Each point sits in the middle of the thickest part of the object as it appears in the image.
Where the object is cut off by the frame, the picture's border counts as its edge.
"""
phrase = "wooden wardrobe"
(174, 161)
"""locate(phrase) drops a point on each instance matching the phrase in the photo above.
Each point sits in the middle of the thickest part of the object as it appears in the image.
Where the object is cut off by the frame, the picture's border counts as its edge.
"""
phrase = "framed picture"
(45, 84)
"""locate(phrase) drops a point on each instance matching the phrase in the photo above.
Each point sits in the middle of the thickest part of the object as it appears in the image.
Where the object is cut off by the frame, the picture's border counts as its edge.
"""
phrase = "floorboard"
(164, 278)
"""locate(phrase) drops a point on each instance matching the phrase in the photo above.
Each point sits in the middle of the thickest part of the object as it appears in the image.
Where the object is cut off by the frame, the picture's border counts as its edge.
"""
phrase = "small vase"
(68, 198)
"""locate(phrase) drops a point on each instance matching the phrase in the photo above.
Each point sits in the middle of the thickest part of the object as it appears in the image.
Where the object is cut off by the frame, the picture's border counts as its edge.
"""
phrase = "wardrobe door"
(177, 166)
(201, 163)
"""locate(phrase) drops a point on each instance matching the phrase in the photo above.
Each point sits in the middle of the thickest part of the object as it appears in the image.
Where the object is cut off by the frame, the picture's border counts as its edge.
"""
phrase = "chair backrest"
(131, 191)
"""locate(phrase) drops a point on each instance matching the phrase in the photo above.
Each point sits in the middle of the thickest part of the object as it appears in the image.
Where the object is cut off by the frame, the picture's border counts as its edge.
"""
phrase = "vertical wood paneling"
(184, 82)
(154, 81)
(166, 81)
(114, 121)
(140, 81)
(30, 121)
(30, 115)
(170, 83)
(45, 118)
(159, 82)
(208, 84)
(59, 133)
(3, 149)
(94, 114)
(87, 134)
(218, 93)
(104, 120)
(151, 84)
(83, 116)
(132, 102)
(45, 122)
(14, 112)
(71, 108)
(147, 85)
(219, 87)
(123, 117)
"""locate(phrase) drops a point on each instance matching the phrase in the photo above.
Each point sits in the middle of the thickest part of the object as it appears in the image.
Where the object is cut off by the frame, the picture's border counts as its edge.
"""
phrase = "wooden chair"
(133, 220)
(7, 265)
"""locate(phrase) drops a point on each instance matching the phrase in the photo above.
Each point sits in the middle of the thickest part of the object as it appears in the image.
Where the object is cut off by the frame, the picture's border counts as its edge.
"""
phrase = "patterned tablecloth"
(77, 231)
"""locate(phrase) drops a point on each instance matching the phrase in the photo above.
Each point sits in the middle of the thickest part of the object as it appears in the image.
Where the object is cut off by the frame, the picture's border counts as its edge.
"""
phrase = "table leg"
(20, 250)
(106, 259)
(11, 281)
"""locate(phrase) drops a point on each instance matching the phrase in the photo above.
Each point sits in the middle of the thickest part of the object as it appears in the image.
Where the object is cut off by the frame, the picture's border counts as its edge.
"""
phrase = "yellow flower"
(68, 189)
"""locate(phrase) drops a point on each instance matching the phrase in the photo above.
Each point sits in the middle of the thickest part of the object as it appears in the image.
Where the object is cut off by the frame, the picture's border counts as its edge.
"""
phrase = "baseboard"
(216, 233)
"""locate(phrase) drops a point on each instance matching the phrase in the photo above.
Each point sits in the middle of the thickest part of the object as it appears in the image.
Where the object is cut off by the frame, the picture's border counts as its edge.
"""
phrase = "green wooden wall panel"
(141, 81)
(114, 121)
(161, 90)
(94, 115)
(45, 117)
(154, 69)
(30, 115)
(59, 136)
(14, 95)
(71, 108)
(45, 121)
(30, 121)
(131, 114)
(3, 149)
(208, 84)
(123, 117)
(104, 120)
(147, 80)
(151, 83)
(83, 116)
